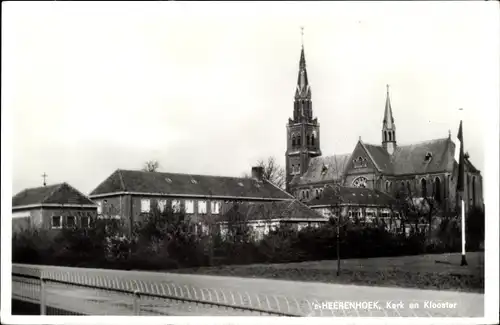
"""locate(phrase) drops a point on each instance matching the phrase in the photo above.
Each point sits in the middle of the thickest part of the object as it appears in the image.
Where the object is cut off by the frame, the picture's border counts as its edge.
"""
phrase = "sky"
(207, 88)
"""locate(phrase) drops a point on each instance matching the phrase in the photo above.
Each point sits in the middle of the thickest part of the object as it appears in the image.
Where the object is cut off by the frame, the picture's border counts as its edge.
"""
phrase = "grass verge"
(437, 272)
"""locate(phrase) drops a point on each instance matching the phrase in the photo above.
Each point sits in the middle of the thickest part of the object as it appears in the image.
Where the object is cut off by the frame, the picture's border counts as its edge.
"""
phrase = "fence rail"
(52, 294)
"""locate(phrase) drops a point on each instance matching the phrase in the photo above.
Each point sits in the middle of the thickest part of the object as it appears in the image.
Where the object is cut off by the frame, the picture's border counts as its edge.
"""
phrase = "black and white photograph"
(233, 159)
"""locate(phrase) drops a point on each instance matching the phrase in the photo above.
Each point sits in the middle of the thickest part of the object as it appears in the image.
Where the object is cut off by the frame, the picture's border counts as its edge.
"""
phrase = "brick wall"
(78, 213)
(129, 208)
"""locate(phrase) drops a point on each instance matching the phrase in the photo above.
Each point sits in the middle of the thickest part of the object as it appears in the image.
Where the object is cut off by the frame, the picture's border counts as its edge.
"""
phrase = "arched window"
(308, 139)
(390, 136)
(474, 191)
(293, 140)
(312, 139)
(385, 136)
(437, 189)
(423, 187)
(387, 186)
(298, 140)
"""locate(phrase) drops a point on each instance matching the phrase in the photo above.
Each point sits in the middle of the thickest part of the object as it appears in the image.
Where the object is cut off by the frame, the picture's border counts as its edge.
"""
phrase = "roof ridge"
(332, 156)
(424, 141)
(124, 188)
(76, 190)
(56, 187)
(185, 174)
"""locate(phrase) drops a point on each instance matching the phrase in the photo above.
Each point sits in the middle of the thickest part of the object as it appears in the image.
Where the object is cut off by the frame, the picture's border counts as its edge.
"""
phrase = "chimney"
(258, 173)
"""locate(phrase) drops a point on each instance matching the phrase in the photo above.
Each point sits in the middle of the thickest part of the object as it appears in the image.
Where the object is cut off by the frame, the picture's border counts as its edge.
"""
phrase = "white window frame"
(189, 206)
(176, 206)
(162, 204)
(99, 207)
(74, 221)
(202, 207)
(215, 207)
(82, 223)
(143, 205)
(52, 222)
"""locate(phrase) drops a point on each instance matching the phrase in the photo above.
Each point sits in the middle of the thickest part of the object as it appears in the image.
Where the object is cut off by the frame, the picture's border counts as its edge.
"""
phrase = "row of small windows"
(306, 194)
(310, 140)
(188, 206)
(57, 222)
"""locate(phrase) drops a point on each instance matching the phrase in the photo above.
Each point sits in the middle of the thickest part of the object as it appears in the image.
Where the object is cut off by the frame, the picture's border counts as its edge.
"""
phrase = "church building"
(424, 169)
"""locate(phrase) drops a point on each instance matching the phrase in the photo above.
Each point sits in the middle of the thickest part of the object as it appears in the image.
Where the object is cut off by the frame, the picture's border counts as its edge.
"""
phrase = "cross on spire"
(44, 179)
(302, 35)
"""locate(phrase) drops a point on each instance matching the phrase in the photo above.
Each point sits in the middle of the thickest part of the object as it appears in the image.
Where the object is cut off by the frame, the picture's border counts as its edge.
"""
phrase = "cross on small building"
(44, 179)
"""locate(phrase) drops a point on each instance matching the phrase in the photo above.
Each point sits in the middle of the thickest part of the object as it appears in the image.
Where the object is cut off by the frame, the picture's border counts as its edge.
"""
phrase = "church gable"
(360, 161)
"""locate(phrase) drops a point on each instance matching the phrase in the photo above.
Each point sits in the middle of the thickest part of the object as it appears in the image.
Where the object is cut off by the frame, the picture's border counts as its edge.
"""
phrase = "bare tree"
(273, 172)
(416, 210)
(151, 166)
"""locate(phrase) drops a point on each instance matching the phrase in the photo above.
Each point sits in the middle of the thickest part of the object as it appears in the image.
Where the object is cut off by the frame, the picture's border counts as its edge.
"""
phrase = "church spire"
(388, 118)
(303, 90)
(388, 127)
(303, 140)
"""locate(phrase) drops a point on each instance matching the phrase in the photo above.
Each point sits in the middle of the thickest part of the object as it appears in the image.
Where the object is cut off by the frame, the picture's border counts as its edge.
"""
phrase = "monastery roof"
(62, 193)
(157, 183)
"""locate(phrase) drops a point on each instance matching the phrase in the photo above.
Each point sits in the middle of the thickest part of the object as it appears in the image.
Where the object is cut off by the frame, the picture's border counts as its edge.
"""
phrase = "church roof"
(380, 156)
(156, 183)
(62, 193)
(323, 169)
(289, 210)
(411, 158)
(352, 196)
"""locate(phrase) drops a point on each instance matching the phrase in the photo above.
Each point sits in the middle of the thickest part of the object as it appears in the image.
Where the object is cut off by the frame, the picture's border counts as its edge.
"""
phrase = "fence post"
(136, 302)
(43, 302)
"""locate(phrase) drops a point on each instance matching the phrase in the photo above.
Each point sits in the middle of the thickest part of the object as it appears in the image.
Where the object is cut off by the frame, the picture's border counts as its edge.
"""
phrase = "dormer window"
(168, 180)
(428, 156)
(194, 181)
(324, 169)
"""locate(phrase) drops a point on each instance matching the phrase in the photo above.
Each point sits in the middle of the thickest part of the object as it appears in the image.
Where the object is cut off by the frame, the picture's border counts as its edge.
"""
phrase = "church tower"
(302, 130)
(388, 127)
